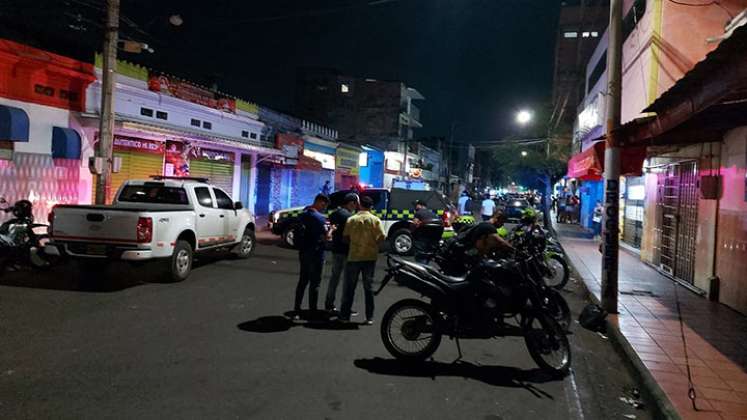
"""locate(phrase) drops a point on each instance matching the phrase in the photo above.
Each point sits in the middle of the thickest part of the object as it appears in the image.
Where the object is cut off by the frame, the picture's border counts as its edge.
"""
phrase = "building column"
(252, 181)
(236, 190)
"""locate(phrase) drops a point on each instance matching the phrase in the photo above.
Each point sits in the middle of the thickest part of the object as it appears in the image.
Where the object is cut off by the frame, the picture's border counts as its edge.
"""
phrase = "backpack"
(592, 318)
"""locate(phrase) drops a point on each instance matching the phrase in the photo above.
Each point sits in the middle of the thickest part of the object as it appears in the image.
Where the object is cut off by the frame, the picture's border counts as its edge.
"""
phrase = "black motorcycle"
(475, 306)
(551, 260)
(20, 244)
(453, 259)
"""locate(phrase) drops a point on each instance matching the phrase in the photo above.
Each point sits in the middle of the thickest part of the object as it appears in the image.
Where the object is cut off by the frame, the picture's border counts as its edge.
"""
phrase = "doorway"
(677, 220)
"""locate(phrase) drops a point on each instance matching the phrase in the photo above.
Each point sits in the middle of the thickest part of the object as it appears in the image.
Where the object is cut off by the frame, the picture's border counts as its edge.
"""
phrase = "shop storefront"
(40, 147)
(140, 159)
(371, 162)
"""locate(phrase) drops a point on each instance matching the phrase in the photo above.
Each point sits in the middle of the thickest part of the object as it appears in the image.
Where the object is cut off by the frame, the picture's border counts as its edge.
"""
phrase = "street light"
(524, 117)
(523, 153)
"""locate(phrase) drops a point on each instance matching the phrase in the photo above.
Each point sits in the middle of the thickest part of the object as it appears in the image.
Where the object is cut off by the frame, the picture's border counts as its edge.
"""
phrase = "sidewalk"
(649, 332)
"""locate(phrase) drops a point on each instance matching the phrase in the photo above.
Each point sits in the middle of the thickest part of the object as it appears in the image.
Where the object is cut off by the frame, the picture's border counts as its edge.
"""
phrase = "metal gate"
(677, 205)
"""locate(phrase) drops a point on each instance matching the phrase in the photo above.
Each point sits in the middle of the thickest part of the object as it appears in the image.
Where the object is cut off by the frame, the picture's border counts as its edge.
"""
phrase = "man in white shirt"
(488, 208)
(463, 203)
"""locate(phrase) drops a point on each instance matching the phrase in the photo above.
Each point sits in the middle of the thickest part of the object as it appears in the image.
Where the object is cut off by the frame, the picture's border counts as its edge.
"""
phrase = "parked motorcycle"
(453, 259)
(536, 241)
(475, 306)
(20, 244)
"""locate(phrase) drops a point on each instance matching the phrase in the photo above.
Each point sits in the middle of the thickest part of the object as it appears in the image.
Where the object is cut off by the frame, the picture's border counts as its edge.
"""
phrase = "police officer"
(313, 234)
(340, 248)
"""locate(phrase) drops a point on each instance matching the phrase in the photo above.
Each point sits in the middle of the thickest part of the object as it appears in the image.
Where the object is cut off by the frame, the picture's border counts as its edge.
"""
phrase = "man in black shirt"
(422, 213)
(421, 245)
(339, 246)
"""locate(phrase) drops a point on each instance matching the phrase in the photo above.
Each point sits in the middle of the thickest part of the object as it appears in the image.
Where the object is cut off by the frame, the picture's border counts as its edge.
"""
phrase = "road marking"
(575, 410)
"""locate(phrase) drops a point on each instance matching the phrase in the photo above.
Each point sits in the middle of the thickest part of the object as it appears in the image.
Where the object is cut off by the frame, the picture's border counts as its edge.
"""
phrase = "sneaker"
(369, 322)
(353, 312)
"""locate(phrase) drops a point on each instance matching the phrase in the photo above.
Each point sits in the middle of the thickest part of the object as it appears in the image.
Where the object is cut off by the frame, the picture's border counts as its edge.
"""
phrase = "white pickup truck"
(162, 218)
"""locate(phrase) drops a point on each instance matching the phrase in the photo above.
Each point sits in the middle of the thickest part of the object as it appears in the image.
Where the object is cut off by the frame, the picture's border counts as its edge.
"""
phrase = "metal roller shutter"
(134, 166)
(220, 174)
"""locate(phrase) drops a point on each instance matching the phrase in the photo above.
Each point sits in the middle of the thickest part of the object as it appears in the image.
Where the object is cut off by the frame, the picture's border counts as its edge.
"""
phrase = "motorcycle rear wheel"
(409, 331)
(547, 344)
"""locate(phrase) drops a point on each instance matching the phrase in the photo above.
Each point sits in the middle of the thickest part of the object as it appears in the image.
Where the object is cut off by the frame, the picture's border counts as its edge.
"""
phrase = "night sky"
(475, 61)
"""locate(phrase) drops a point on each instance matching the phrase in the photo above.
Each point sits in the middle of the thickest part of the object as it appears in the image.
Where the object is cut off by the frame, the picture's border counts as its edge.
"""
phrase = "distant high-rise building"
(581, 25)
(362, 110)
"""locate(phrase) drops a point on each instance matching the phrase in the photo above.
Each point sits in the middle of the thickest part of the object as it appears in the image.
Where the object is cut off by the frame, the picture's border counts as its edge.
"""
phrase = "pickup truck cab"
(394, 207)
(163, 218)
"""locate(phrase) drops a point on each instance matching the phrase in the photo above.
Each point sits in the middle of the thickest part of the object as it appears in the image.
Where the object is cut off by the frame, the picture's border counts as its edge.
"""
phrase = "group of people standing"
(567, 206)
(469, 204)
(355, 248)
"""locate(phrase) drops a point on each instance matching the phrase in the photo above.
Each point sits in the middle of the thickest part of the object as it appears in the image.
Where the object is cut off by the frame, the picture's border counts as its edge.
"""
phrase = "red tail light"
(144, 230)
(446, 217)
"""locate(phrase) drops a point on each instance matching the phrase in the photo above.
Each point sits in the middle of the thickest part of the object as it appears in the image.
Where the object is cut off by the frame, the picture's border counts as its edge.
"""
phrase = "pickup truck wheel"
(289, 236)
(401, 242)
(181, 261)
(246, 247)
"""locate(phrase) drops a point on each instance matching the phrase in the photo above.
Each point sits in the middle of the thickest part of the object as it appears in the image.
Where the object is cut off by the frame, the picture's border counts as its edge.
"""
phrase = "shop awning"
(65, 143)
(14, 124)
(589, 164)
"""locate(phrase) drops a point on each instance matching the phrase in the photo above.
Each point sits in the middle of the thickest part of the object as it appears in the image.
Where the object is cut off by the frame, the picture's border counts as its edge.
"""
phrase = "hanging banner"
(183, 90)
(348, 160)
(176, 162)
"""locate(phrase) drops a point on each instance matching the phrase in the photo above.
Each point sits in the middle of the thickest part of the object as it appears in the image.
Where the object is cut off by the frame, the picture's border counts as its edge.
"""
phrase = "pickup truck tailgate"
(101, 224)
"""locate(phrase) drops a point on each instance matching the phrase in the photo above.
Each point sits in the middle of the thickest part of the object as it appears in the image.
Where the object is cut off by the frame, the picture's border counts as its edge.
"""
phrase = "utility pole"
(611, 226)
(106, 124)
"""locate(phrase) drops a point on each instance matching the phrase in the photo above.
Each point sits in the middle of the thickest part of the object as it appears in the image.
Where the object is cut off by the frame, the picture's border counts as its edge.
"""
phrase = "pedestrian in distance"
(364, 233)
(487, 208)
(311, 239)
(340, 248)
(326, 188)
(596, 219)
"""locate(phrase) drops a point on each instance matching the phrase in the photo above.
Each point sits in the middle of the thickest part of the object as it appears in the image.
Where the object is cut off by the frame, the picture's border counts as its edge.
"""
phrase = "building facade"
(684, 208)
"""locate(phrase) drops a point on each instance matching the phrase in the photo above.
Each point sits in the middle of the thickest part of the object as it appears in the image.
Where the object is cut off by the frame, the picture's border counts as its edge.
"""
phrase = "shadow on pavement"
(72, 276)
(502, 376)
(317, 320)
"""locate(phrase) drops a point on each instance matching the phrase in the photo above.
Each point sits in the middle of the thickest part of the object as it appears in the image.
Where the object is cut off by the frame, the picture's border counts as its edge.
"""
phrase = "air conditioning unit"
(710, 187)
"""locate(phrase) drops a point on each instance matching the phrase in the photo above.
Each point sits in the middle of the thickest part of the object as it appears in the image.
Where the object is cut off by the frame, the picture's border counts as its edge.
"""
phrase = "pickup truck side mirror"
(238, 206)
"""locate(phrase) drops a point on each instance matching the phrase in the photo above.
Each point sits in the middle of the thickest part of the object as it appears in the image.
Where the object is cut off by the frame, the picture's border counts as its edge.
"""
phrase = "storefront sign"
(327, 161)
(189, 92)
(212, 154)
(349, 160)
(138, 145)
(291, 145)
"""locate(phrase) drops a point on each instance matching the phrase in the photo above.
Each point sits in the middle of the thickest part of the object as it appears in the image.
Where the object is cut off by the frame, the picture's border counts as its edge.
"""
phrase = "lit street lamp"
(523, 153)
(524, 117)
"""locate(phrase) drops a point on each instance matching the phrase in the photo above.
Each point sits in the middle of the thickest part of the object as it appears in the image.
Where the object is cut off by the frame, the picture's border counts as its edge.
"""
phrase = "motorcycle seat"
(431, 271)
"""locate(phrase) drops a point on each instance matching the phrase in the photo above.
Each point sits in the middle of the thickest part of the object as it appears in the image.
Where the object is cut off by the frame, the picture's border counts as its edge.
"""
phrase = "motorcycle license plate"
(96, 249)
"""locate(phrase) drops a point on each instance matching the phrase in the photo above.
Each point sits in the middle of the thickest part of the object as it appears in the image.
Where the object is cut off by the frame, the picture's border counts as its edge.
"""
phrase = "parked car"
(395, 208)
(163, 218)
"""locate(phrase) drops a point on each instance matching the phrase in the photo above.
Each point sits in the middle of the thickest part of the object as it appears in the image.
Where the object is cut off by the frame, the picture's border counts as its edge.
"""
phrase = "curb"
(664, 407)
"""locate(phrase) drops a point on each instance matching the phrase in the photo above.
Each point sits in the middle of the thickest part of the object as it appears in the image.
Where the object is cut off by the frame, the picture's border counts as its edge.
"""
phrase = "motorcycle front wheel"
(558, 273)
(409, 331)
(547, 343)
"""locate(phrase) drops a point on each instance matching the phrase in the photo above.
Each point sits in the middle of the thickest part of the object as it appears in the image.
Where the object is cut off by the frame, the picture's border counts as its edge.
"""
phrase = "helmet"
(22, 209)
(528, 216)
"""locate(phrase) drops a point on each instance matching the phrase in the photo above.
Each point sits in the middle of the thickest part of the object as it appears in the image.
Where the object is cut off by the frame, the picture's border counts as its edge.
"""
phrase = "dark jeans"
(338, 267)
(353, 270)
(311, 276)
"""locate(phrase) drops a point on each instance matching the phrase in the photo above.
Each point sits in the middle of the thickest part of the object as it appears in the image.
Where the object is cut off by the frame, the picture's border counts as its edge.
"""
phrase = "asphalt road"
(218, 346)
